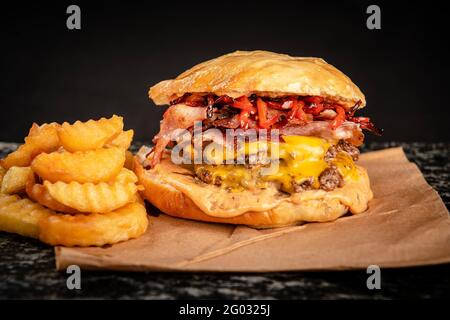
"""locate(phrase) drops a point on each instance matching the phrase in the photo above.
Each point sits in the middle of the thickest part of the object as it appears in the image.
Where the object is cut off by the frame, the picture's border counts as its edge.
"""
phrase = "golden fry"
(21, 216)
(39, 193)
(40, 139)
(90, 135)
(15, 180)
(83, 166)
(27, 218)
(95, 229)
(88, 197)
(123, 140)
(129, 160)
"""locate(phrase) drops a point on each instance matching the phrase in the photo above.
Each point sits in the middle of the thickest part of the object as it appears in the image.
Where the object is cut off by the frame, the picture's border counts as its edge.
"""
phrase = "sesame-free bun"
(263, 73)
(175, 191)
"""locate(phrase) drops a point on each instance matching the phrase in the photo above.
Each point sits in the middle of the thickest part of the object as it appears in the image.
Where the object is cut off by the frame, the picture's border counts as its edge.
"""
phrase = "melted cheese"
(299, 158)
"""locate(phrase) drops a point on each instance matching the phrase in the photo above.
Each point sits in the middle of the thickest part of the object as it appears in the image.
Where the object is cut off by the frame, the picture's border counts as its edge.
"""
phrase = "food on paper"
(94, 166)
(70, 186)
(301, 166)
(15, 180)
(93, 134)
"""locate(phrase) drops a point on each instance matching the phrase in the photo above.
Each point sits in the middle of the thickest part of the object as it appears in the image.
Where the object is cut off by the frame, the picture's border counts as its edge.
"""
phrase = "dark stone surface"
(27, 267)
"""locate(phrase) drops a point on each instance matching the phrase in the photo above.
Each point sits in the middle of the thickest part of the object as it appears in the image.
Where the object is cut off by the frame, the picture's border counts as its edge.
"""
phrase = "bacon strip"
(179, 116)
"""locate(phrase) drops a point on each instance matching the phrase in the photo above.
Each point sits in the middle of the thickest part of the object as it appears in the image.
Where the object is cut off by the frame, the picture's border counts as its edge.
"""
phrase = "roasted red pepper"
(270, 122)
(294, 108)
(301, 111)
(262, 111)
(340, 117)
(242, 103)
(262, 115)
(315, 109)
(297, 110)
(274, 104)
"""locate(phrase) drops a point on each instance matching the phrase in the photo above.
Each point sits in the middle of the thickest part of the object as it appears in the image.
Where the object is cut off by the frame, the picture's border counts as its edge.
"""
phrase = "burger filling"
(304, 163)
(317, 147)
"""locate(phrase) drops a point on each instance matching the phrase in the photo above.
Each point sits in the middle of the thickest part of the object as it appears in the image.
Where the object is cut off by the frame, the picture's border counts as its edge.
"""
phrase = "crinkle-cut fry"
(21, 216)
(40, 139)
(88, 197)
(40, 194)
(123, 140)
(83, 166)
(28, 218)
(89, 135)
(95, 229)
(15, 180)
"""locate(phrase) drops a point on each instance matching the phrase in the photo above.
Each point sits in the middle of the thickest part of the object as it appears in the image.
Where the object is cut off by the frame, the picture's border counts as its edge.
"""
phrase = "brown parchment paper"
(407, 224)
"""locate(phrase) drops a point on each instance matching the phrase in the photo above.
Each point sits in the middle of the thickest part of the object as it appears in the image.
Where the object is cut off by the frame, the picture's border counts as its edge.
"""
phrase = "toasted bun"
(263, 73)
(175, 192)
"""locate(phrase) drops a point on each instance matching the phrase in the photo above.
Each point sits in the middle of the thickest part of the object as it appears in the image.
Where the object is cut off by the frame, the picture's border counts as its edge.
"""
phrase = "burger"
(259, 139)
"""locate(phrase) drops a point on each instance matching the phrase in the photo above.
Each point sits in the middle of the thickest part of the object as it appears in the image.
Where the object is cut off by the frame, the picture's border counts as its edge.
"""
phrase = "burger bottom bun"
(175, 191)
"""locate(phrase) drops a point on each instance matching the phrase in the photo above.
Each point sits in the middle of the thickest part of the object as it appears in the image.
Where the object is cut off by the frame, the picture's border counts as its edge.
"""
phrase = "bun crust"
(263, 73)
(176, 193)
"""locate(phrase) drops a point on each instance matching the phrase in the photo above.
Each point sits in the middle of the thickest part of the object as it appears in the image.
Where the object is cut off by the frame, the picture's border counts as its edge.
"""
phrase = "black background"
(49, 73)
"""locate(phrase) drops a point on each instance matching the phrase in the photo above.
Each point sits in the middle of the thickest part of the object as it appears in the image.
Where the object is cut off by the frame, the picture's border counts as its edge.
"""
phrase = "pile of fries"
(72, 185)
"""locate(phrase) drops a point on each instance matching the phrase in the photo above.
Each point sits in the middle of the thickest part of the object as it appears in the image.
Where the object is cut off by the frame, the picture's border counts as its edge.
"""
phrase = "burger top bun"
(263, 73)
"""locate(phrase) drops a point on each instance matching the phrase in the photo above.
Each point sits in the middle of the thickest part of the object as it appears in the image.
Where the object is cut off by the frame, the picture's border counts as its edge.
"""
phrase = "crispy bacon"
(366, 124)
(232, 122)
(179, 116)
(195, 100)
